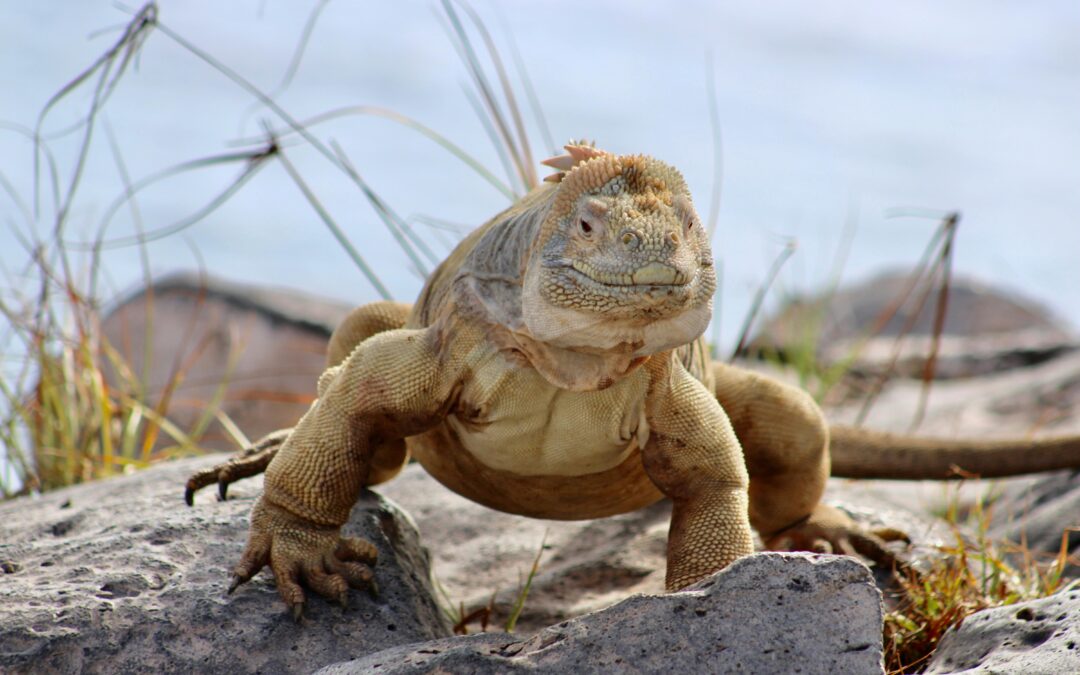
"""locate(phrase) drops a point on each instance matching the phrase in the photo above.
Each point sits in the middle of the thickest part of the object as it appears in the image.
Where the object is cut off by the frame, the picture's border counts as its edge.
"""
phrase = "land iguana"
(553, 366)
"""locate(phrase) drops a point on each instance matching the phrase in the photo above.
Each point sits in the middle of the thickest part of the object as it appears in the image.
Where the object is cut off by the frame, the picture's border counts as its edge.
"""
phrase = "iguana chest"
(509, 418)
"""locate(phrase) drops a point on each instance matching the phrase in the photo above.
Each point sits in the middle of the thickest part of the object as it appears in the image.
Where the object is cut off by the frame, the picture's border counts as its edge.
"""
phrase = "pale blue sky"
(827, 108)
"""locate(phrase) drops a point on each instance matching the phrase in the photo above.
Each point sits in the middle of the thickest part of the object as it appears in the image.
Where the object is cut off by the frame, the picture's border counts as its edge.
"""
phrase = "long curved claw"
(234, 583)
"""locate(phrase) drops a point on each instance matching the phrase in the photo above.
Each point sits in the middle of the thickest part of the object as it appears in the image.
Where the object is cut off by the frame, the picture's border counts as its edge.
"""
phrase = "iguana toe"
(829, 530)
(249, 462)
(304, 554)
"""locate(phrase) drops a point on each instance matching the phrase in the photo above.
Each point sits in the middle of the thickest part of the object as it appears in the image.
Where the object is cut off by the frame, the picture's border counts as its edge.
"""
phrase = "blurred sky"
(828, 109)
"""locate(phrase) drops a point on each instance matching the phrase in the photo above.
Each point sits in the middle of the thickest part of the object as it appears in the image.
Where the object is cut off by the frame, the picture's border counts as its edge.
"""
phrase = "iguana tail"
(861, 453)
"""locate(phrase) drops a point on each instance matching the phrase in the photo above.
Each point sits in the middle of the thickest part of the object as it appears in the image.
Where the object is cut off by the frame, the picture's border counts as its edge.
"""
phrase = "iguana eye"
(586, 228)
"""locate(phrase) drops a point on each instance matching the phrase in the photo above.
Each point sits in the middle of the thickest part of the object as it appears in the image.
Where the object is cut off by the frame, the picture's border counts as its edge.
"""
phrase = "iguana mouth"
(653, 274)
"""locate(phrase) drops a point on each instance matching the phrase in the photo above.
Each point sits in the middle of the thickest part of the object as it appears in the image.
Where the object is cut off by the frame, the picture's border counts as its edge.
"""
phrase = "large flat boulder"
(767, 613)
(119, 576)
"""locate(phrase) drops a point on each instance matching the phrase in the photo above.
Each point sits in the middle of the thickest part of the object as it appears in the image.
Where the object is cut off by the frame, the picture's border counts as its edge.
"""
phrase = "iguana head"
(621, 260)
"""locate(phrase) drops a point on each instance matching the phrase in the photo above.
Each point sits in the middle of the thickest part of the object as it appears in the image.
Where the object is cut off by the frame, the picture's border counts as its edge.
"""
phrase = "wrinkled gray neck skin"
(593, 351)
(490, 278)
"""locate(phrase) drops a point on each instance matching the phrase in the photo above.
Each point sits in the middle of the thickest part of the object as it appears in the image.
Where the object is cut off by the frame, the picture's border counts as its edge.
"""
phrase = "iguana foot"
(250, 462)
(299, 551)
(830, 530)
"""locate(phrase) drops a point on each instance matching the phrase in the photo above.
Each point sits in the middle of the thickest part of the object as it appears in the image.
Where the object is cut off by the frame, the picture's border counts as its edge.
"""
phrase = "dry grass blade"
(948, 225)
(336, 230)
(530, 92)
(301, 47)
(935, 262)
(387, 215)
(399, 227)
(41, 148)
(124, 51)
(970, 575)
(523, 594)
(525, 158)
(440, 227)
(718, 146)
(408, 122)
(759, 299)
(492, 112)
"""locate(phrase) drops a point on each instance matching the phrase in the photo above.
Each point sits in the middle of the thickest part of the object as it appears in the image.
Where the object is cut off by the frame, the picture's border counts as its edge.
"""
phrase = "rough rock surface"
(120, 576)
(792, 613)
(1038, 513)
(1039, 637)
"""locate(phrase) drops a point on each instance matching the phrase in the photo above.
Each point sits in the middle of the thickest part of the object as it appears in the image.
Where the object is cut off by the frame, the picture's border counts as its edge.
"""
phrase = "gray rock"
(986, 329)
(1039, 637)
(766, 613)
(1041, 514)
(120, 576)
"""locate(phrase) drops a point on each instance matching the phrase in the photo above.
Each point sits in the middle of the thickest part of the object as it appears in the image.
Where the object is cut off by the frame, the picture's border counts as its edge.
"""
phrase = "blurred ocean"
(830, 111)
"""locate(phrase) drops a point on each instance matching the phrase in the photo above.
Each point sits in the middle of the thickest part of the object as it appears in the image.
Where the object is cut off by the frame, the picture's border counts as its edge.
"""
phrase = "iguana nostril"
(631, 239)
(673, 237)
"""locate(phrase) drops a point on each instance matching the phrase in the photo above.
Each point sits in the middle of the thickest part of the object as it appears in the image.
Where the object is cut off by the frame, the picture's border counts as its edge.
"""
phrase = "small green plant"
(461, 619)
(971, 574)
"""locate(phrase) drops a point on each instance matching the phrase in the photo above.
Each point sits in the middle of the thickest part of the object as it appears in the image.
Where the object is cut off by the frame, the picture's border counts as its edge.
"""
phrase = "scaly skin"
(553, 367)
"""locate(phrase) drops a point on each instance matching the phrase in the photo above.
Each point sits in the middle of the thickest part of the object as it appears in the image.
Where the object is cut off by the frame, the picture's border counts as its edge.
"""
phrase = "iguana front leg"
(362, 323)
(393, 385)
(694, 458)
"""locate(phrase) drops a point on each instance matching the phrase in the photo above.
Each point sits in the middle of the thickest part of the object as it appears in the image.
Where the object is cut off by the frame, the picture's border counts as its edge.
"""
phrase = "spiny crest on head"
(586, 168)
(576, 153)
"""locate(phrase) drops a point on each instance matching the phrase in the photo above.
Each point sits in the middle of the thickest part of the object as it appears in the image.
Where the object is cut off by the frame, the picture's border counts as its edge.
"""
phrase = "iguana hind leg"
(389, 458)
(785, 440)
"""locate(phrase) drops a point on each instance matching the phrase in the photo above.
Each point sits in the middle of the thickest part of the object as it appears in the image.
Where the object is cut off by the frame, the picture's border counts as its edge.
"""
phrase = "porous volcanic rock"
(766, 613)
(119, 576)
(1038, 637)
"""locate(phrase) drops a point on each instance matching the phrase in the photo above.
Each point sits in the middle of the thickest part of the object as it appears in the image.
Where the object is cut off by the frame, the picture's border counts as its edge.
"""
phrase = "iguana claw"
(234, 584)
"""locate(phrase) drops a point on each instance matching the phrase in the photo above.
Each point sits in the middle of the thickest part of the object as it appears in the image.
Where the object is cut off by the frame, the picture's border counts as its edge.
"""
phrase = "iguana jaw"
(652, 274)
(652, 318)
